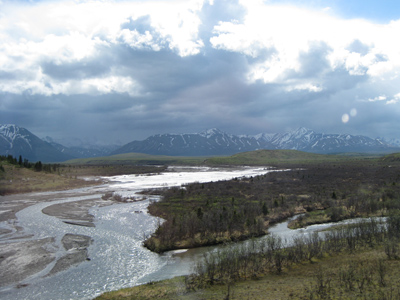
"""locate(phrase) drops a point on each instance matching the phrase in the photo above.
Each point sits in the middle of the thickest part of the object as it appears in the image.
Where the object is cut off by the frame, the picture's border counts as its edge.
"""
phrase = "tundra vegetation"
(201, 214)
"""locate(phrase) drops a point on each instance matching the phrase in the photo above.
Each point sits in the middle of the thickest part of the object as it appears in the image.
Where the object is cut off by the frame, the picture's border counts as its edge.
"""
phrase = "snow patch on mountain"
(11, 133)
(18, 141)
(211, 133)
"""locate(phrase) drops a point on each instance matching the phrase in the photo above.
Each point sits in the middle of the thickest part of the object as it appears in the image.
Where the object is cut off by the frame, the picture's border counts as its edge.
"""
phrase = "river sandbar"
(21, 258)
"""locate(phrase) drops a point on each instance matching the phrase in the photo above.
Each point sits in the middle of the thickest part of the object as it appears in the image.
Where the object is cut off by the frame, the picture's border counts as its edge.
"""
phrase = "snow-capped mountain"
(393, 142)
(210, 142)
(216, 142)
(309, 141)
(18, 141)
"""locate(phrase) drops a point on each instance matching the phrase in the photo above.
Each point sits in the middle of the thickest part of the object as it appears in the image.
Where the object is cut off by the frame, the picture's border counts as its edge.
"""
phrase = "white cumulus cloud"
(66, 32)
(285, 33)
(394, 100)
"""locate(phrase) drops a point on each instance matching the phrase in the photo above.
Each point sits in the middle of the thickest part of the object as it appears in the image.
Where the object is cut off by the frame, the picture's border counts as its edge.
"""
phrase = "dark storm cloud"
(141, 78)
(165, 71)
(314, 62)
(87, 68)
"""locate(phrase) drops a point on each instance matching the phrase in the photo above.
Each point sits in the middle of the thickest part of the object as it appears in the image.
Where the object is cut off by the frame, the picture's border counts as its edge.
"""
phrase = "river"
(117, 257)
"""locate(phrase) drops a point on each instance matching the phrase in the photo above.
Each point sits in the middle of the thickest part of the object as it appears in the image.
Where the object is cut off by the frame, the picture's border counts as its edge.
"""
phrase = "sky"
(111, 71)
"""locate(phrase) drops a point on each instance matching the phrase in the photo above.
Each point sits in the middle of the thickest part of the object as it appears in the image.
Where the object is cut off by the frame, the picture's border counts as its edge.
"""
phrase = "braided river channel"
(117, 258)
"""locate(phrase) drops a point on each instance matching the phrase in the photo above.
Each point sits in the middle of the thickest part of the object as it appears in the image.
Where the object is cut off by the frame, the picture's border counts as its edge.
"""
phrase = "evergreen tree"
(38, 166)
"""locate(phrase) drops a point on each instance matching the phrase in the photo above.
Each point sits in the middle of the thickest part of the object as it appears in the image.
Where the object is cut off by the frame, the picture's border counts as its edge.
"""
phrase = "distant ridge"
(217, 142)
(83, 151)
(15, 140)
(210, 142)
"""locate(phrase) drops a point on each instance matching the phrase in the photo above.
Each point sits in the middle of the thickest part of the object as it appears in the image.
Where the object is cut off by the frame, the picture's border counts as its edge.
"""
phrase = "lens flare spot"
(353, 112)
(345, 118)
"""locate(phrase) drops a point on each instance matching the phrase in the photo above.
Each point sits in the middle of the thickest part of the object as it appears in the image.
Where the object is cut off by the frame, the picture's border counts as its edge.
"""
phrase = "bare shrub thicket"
(223, 211)
(272, 254)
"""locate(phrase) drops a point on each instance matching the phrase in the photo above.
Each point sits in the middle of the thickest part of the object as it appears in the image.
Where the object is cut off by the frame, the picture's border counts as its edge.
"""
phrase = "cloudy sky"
(116, 71)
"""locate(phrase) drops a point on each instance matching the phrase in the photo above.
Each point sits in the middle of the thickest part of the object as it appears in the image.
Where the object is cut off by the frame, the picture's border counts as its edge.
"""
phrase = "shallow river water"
(117, 257)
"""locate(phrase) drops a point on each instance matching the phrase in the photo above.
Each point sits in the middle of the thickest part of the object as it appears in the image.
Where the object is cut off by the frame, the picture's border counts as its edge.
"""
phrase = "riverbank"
(23, 255)
(327, 216)
(210, 238)
(358, 261)
(344, 276)
(18, 180)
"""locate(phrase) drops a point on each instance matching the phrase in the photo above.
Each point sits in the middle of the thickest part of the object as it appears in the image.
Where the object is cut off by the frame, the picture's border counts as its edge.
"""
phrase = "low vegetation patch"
(167, 289)
(17, 180)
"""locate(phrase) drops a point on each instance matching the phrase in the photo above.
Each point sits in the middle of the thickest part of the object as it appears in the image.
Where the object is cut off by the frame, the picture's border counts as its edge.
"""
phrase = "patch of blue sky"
(377, 11)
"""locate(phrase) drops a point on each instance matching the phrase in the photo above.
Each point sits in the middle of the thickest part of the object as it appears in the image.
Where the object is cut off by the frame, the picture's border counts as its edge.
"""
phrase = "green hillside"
(138, 159)
(259, 157)
(391, 157)
(263, 157)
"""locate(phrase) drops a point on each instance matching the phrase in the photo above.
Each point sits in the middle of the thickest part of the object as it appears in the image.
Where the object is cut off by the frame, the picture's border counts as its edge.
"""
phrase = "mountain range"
(83, 150)
(217, 142)
(17, 141)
